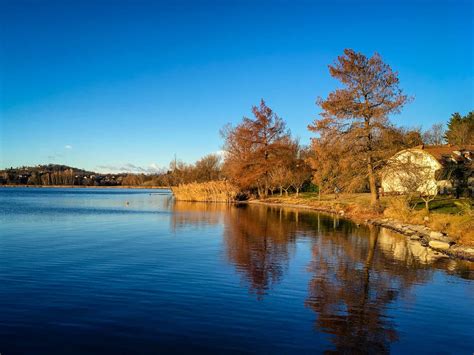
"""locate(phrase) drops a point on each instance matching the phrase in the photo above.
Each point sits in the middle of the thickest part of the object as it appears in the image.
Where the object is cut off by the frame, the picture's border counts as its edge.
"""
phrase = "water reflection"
(196, 214)
(411, 252)
(259, 243)
(357, 272)
(351, 289)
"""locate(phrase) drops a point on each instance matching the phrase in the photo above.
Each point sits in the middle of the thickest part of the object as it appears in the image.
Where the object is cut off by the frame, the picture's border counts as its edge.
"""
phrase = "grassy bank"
(447, 215)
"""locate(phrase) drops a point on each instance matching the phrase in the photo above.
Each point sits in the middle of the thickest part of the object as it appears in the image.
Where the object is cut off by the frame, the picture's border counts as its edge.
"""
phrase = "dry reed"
(212, 191)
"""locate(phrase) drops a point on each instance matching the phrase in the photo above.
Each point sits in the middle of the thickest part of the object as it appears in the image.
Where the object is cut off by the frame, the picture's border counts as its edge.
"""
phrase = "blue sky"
(107, 85)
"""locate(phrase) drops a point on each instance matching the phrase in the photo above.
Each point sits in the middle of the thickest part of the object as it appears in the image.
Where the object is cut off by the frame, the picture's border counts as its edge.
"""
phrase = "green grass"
(444, 205)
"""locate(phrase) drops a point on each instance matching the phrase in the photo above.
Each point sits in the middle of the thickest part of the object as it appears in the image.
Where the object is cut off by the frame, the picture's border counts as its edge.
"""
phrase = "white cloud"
(154, 166)
(130, 168)
(68, 146)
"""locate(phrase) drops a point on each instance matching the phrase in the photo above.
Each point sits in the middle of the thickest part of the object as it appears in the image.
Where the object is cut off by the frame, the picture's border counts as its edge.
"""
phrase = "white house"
(428, 169)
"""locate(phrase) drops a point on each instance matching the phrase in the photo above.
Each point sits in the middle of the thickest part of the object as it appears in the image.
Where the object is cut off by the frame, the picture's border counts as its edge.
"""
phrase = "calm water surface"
(82, 271)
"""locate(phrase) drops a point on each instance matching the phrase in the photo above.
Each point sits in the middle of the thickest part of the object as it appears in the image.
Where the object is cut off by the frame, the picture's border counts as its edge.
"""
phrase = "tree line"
(208, 168)
(56, 174)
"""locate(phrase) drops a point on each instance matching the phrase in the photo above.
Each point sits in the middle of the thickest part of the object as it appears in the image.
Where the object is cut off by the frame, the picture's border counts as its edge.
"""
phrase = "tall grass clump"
(400, 208)
(212, 191)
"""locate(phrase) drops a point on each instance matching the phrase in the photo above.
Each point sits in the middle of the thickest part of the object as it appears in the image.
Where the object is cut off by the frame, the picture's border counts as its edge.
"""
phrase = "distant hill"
(56, 174)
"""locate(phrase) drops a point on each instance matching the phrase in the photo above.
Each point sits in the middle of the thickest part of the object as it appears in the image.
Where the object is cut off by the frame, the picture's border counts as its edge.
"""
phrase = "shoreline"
(435, 240)
(87, 187)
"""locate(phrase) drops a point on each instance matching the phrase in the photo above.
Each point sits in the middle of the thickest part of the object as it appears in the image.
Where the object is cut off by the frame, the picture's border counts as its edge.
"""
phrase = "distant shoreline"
(88, 187)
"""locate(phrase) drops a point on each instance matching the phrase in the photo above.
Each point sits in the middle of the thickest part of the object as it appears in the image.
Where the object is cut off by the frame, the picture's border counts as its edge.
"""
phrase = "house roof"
(442, 153)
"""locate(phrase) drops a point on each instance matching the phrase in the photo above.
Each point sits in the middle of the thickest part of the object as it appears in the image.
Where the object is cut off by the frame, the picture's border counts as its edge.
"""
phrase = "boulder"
(436, 244)
(437, 235)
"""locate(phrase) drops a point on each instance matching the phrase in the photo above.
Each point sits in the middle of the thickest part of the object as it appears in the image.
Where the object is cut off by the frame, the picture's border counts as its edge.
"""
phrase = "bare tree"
(208, 168)
(300, 174)
(434, 135)
(279, 177)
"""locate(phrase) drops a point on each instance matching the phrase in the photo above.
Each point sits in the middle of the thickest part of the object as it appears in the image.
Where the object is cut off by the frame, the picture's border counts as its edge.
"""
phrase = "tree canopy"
(460, 129)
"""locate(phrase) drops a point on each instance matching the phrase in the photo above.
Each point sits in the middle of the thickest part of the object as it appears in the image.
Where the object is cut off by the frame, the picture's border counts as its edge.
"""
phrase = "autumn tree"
(181, 173)
(300, 176)
(254, 147)
(208, 168)
(393, 139)
(291, 170)
(300, 172)
(359, 111)
(333, 166)
(461, 129)
(280, 178)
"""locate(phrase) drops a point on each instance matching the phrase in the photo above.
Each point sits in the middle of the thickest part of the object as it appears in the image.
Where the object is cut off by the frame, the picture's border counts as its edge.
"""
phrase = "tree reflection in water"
(259, 242)
(357, 272)
(354, 282)
(196, 214)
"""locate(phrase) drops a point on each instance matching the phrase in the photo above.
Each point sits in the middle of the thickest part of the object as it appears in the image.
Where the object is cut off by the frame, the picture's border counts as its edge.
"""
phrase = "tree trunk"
(281, 191)
(297, 192)
(427, 206)
(374, 194)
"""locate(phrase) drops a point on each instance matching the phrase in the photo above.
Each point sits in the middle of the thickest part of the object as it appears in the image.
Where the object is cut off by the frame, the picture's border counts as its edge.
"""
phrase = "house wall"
(411, 170)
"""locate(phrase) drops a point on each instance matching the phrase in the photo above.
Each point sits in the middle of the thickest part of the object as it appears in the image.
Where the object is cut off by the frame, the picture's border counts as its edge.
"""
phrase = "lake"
(132, 271)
